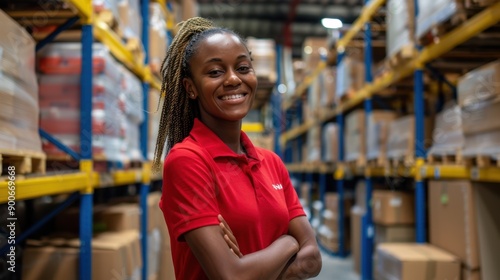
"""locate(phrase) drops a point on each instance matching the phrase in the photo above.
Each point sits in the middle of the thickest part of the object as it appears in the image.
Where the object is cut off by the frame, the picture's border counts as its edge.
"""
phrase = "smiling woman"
(230, 208)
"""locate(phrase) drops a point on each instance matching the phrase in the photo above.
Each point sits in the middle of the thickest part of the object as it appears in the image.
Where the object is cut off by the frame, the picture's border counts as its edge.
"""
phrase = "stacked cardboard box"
(357, 214)
(401, 143)
(452, 209)
(408, 261)
(116, 249)
(155, 108)
(356, 133)
(312, 147)
(393, 215)
(329, 230)
(487, 199)
(18, 88)
(479, 98)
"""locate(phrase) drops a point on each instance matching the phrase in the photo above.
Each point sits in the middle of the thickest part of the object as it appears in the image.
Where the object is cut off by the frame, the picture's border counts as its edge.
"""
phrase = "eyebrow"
(216, 59)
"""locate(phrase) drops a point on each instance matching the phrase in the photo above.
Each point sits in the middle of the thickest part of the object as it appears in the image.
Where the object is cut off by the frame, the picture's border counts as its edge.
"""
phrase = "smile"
(232, 97)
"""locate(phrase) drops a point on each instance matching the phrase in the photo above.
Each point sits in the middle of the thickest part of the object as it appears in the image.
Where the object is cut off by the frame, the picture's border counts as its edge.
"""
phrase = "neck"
(228, 131)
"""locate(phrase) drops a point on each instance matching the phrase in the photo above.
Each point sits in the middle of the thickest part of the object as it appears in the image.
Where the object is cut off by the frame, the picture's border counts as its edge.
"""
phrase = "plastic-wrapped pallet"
(60, 100)
(433, 12)
(378, 135)
(108, 8)
(482, 129)
(312, 152)
(356, 131)
(448, 136)
(264, 57)
(400, 27)
(18, 88)
(330, 139)
(130, 18)
(157, 37)
(479, 85)
(401, 144)
(350, 77)
(155, 107)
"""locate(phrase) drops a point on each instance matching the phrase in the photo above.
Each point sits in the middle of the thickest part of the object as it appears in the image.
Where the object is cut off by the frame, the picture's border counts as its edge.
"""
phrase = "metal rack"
(86, 180)
(420, 171)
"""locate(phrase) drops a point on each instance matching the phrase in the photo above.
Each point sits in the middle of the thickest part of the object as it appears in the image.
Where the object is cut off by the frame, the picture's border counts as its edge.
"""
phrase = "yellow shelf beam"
(83, 8)
(302, 87)
(46, 185)
(477, 24)
(445, 172)
(487, 174)
(366, 15)
(295, 132)
(313, 167)
(252, 127)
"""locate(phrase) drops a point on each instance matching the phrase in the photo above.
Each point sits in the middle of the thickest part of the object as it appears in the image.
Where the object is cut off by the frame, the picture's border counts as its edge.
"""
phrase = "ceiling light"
(333, 23)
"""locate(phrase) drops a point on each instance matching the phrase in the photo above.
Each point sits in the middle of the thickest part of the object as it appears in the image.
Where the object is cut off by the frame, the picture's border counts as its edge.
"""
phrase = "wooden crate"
(24, 161)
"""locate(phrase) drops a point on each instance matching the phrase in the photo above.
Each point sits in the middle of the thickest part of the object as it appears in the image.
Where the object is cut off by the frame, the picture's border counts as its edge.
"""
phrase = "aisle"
(336, 269)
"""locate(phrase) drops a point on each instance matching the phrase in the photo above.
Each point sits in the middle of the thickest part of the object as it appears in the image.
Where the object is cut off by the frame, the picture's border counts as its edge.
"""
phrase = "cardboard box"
(394, 234)
(330, 140)
(393, 207)
(332, 203)
(481, 117)
(409, 261)
(401, 143)
(452, 209)
(114, 256)
(487, 198)
(330, 220)
(468, 274)
(120, 217)
(357, 214)
(330, 240)
(313, 49)
(480, 84)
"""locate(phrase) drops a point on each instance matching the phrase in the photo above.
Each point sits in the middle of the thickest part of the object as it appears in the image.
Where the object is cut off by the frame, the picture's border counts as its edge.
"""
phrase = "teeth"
(229, 97)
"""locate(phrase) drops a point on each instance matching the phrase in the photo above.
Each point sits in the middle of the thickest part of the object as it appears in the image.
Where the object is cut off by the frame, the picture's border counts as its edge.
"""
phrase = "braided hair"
(179, 111)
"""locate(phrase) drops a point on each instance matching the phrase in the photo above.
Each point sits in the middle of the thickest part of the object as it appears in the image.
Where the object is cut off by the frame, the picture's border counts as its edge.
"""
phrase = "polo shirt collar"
(216, 147)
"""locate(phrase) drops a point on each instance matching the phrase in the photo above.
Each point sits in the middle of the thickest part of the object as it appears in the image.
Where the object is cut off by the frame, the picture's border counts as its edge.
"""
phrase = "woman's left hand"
(229, 237)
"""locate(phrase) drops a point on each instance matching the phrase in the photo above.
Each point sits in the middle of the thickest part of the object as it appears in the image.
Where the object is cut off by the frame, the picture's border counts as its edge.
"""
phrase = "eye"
(215, 73)
(244, 69)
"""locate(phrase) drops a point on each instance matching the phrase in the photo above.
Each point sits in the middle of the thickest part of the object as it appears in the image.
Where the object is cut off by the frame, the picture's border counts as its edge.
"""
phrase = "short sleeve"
(189, 194)
(295, 209)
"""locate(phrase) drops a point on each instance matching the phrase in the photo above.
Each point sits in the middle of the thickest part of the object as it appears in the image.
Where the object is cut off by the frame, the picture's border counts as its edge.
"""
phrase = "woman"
(213, 173)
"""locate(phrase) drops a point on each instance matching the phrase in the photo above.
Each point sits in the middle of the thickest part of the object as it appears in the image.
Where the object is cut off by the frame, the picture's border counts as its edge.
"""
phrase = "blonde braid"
(178, 111)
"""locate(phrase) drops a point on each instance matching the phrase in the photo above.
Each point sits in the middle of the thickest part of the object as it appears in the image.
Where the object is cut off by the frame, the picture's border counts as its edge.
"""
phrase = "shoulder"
(184, 153)
(269, 156)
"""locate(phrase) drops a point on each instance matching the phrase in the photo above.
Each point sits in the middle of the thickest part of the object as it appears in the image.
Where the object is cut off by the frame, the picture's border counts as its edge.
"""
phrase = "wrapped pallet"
(356, 132)
(328, 81)
(59, 101)
(378, 135)
(155, 107)
(479, 85)
(158, 42)
(18, 88)
(350, 78)
(401, 144)
(433, 12)
(312, 148)
(482, 129)
(330, 140)
(447, 137)
(400, 30)
(264, 57)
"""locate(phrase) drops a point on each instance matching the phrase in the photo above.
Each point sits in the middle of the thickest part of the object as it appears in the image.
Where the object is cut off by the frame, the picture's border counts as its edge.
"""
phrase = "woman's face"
(223, 79)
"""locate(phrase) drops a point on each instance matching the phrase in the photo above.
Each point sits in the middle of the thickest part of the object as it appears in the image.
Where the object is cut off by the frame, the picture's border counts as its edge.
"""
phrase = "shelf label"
(437, 172)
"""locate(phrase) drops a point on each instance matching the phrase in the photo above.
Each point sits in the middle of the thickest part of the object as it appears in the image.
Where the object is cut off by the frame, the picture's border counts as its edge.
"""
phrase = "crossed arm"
(292, 256)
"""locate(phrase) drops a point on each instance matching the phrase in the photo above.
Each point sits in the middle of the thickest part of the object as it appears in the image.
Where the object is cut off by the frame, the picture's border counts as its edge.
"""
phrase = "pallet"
(24, 161)
(402, 56)
(100, 163)
(380, 161)
(450, 159)
(483, 161)
(407, 161)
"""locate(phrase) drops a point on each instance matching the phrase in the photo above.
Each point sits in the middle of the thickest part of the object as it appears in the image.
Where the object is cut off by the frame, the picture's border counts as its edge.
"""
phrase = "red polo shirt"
(203, 177)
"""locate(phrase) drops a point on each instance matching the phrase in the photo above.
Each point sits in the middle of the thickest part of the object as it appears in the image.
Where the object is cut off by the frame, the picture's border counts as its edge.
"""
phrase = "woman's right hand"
(229, 237)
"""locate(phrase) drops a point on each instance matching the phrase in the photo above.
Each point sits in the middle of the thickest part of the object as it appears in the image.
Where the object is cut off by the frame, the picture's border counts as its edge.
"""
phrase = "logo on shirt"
(277, 186)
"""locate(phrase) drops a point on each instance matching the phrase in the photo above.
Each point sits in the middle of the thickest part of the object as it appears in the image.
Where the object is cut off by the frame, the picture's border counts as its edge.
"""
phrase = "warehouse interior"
(383, 112)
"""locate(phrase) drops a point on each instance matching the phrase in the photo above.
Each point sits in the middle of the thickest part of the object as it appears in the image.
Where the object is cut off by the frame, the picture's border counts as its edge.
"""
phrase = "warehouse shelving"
(86, 180)
(420, 170)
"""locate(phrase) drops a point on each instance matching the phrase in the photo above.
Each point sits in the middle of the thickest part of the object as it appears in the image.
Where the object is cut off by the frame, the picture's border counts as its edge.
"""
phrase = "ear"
(190, 88)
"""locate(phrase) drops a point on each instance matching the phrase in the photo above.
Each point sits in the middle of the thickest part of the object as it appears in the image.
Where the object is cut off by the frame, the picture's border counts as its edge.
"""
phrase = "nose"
(232, 79)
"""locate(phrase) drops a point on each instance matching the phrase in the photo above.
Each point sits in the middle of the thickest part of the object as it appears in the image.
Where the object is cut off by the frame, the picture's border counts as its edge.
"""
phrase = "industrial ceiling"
(287, 22)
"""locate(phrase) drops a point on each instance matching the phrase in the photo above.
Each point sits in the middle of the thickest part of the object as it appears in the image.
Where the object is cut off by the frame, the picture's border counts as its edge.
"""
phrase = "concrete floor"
(336, 269)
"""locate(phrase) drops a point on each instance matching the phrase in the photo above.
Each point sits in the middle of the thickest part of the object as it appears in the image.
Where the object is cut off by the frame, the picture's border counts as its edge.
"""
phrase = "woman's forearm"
(306, 264)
